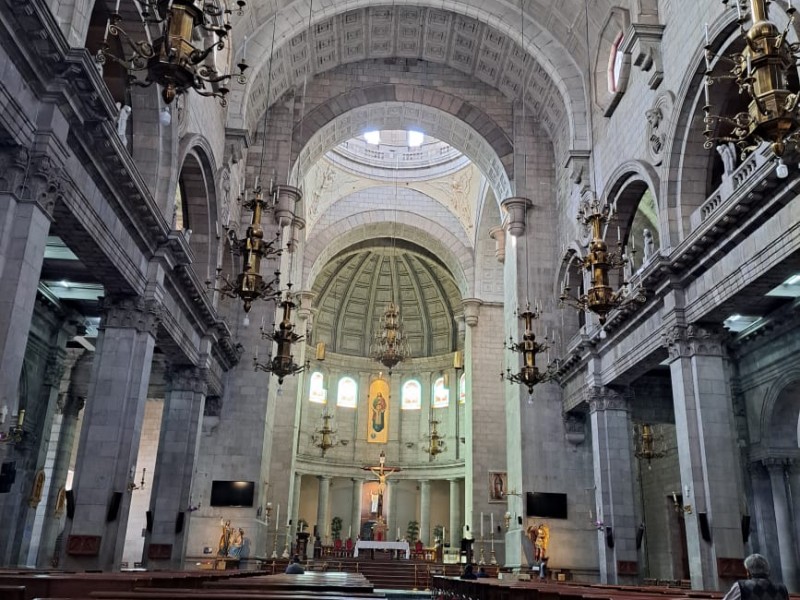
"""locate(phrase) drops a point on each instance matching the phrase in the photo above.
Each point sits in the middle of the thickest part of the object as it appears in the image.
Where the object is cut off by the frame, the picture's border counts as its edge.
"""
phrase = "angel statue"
(540, 538)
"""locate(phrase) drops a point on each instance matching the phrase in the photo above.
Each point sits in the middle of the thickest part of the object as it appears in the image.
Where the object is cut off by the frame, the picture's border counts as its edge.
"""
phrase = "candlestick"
(482, 517)
(491, 522)
(277, 519)
(398, 533)
(738, 10)
(116, 10)
(349, 531)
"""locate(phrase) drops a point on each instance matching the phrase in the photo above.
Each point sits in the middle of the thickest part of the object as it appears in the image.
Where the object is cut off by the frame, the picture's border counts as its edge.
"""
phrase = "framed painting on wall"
(498, 483)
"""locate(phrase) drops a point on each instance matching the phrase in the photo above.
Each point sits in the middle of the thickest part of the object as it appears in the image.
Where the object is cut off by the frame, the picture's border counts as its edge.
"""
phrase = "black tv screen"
(542, 504)
(232, 493)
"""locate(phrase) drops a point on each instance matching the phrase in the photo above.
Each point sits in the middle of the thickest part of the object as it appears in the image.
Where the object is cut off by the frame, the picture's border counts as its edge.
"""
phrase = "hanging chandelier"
(390, 345)
(765, 72)
(282, 363)
(600, 298)
(529, 374)
(250, 285)
(172, 60)
(324, 437)
(436, 443)
(648, 445)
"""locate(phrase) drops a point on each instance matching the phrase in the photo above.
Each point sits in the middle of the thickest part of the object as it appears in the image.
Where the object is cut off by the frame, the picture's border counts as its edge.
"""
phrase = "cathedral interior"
(409, 270)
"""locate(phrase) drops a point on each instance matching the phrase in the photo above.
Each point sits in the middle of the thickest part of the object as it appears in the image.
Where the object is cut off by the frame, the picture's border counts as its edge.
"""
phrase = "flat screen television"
(544, 504)
(232, 493)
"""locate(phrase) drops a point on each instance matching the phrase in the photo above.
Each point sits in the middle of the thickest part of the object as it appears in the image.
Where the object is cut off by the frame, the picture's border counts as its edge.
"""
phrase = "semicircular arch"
(780, 415)
(398, 106)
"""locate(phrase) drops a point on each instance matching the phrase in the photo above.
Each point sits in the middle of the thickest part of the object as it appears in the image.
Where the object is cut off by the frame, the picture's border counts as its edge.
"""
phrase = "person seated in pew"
(294, 567)
(469, 572)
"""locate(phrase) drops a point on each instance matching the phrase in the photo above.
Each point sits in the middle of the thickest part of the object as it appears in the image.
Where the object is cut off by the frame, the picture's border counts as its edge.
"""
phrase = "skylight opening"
(415, 139)
(372, 137)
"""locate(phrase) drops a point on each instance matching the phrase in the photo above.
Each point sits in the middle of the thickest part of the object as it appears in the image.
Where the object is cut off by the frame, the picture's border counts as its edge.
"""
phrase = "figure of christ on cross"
(381, 472)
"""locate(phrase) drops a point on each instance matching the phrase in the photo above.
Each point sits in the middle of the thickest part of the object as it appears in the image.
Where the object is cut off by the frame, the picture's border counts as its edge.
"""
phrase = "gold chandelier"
(324, 438)
(765, 72)
(436, 443)
(250, 284)
(600, 298)
(282, 363)
(529, 374)
(171, 60)
(390, 345)
(648, 445)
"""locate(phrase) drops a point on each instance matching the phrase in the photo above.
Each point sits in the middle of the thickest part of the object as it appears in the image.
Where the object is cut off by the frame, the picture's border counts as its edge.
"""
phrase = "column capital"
(777, 465)
(686, 341)
(187, 379)
(602, 398)
(324, 477)
(472, 307)
(498, 234)
(33, 177)
(516, 207)
(131, 312)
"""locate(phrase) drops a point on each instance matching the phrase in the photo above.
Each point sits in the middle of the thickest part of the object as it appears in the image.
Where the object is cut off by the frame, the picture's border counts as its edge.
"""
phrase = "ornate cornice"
(602, 398)
(187, 379)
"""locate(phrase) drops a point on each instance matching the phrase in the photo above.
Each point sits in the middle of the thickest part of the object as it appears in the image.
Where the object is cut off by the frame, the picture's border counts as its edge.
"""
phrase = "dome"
(354, 289)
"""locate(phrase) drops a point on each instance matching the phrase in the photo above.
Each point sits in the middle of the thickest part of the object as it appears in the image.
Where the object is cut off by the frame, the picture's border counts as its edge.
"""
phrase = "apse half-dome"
(354, 289)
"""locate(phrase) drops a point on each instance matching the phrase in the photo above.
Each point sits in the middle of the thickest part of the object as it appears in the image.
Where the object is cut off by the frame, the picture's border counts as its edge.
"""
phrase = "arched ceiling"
(354, 288)
(483, 38)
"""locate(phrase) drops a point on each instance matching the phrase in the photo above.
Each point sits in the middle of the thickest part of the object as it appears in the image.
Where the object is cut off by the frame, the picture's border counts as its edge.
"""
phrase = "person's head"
(757, 566)
(296, 559)
(468, 568)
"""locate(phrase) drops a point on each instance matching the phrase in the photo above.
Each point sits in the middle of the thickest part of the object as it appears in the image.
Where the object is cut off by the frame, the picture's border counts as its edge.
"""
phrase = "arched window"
(412, 395)
(615, 65)
(441, 394)
(316, 392)
(347, 393)
(462, 389)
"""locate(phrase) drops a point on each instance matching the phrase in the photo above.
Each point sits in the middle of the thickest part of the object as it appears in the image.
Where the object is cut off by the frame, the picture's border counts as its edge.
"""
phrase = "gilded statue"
(540, 538)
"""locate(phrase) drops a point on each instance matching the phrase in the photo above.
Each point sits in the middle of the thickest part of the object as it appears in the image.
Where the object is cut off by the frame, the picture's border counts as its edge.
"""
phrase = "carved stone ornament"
(657, 125)
(131, 312)
(684, 341)
(604, 398)
(643, 42)
(30, 177)
(472, 307)
(575, 428)
(498, 234)
(187, 379)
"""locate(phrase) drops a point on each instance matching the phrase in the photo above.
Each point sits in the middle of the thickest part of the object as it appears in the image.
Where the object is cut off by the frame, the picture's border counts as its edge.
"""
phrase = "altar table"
(370, 545)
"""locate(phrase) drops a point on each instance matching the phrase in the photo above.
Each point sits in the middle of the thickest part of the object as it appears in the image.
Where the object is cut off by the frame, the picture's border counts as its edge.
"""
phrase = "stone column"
(322, 505)
(455, 514)
(298, 484)
(110, 434)
(707, 451)
(355, 515)
(471, 312)
(24, 225)
(425, 511)
(49, 556)
(778, 471)
(391, 523)
(613, 481)
(164, 546)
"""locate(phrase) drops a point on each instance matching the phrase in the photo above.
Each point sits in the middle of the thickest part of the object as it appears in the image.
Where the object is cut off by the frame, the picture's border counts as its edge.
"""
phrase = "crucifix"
(381, 471)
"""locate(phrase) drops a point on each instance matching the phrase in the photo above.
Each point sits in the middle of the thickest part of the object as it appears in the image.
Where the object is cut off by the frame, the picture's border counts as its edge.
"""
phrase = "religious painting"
(378, 417)
(498, 483)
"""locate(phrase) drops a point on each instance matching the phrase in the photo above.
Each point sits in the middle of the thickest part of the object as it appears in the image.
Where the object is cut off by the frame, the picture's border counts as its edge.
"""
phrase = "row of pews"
(453, 588)
(184, 586)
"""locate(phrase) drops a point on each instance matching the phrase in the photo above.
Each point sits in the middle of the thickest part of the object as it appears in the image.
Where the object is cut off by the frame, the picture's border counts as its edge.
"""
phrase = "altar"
(382, 545)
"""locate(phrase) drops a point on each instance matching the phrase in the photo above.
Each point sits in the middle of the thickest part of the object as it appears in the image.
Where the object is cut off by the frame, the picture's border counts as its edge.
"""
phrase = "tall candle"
(491, 523)
(398, 533)
(277, 517)
(444, 534)
(481, 524)
(349, 531)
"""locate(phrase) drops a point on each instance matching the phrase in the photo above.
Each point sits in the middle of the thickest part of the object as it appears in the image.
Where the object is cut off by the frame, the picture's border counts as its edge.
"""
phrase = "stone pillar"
(298, 484)
(707, 451)
(455, 514)
(471, 313)
(110, 434)
(355, 514)
(322, 505)
(49, 556)
(778, 472)
(391, 523)
(24, 225)
(613, 481)
(425, 511)
(164, 545)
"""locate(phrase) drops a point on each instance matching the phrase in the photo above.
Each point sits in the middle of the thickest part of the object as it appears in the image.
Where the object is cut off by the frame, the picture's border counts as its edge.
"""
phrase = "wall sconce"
(132, 484)
(679, 507)
(267, 511)
(14, 434)
(507, 520)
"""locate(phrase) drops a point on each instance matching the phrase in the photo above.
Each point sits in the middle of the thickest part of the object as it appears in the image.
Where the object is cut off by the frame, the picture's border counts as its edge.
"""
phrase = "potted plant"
(412, 531)
(438, 531)
(336, 527)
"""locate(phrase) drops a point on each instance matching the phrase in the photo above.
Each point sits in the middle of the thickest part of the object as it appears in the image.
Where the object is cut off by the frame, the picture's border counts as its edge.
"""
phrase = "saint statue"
(224, 538)
(236, 542)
